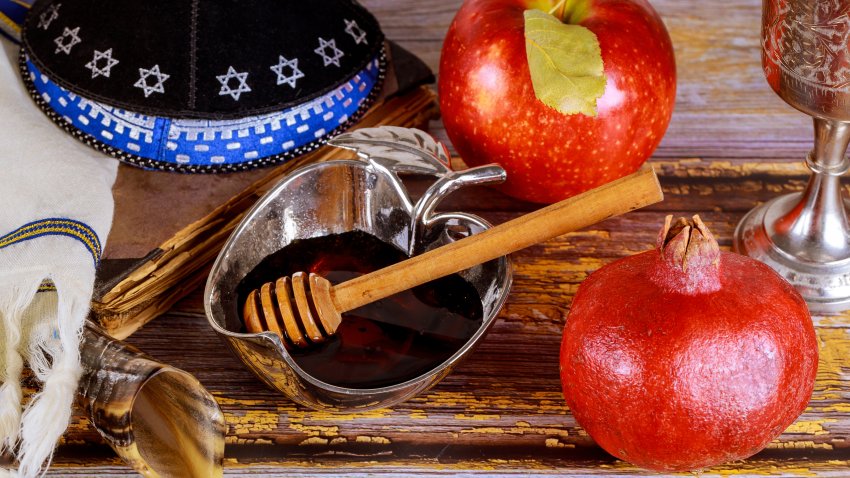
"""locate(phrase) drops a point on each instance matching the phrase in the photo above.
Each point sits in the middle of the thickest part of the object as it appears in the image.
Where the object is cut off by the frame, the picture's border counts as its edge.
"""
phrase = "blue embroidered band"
(198, 146)
(56, 227)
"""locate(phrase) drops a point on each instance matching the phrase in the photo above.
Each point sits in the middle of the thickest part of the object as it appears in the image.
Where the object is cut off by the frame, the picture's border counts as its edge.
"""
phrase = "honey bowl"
(363, 197)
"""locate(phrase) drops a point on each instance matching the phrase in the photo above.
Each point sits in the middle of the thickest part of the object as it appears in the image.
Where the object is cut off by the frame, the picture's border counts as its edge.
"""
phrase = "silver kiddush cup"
(805, 236)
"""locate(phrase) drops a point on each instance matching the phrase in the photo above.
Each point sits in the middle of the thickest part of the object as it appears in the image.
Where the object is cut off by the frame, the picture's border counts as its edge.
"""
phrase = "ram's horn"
(158, 418)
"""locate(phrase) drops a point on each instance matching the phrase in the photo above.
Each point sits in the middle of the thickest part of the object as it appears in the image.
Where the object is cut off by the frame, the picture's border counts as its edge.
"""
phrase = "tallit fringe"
(48, 328)
(14, 299)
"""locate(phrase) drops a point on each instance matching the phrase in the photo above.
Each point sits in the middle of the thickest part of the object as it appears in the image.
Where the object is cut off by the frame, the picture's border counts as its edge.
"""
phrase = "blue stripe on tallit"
(56, 227)
(191, 142)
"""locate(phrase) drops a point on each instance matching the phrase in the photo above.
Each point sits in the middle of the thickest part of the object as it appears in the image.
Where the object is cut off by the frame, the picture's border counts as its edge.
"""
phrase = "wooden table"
(731, 145)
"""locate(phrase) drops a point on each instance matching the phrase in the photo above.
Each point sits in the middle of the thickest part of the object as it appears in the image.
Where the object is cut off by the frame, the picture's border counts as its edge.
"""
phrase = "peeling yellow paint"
(841, 320)
(542, 403)
(838, 408)
(233, 440)
(463, 416)
(254, 421)
(314, 430)
(341, 417)
(810, 427)
(769, 471)
(832, 368)
(520, 430)
(241, 402)
(488, 430)
(799, 445)
(555, 443)
(749, 467)
(314, 441)
(368, 439)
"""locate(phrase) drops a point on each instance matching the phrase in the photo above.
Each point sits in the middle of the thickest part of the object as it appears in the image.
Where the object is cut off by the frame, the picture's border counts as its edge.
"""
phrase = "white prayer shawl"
(55, 212)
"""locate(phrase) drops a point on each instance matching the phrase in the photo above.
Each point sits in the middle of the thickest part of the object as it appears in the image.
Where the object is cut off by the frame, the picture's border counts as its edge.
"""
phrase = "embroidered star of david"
(353, 29)
(95, 64)
(282, 77)
(143, 80)
(67, 40)
(322, 51)
(226, 89)
(47, 16)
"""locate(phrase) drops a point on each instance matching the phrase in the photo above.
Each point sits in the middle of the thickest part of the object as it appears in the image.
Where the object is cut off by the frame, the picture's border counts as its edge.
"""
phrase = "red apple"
(491, 113)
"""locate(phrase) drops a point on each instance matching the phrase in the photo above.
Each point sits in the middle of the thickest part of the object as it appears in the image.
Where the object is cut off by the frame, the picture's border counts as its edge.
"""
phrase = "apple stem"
(558, 6)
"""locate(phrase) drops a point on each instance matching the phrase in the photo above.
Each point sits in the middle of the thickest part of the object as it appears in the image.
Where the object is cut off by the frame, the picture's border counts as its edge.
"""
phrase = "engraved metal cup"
(333, 197)
(805, 236)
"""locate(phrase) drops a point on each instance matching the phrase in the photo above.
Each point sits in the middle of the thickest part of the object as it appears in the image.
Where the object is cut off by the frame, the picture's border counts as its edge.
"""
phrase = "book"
(168, 227)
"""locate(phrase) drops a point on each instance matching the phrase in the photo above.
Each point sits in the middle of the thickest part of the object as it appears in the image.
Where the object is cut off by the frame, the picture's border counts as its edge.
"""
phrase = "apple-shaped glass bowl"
(364, 194)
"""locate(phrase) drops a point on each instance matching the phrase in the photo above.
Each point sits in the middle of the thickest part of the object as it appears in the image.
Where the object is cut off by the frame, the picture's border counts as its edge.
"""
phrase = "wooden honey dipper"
(290, 307)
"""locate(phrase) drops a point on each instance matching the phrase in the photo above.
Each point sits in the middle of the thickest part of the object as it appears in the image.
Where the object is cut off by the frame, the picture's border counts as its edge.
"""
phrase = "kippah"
(202, 85)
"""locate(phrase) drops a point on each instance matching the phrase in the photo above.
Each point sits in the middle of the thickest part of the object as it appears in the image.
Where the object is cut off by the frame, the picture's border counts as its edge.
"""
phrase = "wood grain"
(731, 145)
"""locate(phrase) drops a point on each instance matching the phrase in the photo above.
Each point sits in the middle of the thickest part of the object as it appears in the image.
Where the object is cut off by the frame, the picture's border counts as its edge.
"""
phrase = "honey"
(386, 342)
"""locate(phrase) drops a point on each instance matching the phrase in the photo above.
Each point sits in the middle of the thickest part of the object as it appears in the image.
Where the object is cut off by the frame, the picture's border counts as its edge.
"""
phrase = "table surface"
(731, 145)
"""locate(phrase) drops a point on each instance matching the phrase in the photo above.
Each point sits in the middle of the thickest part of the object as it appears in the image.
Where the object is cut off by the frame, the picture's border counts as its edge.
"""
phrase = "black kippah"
(203, 85)
(211, 59)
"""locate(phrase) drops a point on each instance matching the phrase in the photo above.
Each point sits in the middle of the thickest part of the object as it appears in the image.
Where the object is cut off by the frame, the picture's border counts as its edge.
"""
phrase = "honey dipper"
(305, 310)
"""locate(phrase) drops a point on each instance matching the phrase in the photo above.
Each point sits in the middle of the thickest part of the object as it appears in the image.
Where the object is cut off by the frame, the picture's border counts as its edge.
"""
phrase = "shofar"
(158, 418)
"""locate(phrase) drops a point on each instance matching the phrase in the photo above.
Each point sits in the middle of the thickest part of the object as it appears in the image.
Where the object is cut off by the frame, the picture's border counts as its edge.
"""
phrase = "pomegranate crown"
(688, 243)
(689, 254)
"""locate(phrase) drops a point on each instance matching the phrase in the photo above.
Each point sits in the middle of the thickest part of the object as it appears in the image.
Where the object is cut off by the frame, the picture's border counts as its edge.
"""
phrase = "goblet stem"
(816, 228)
(805, 236)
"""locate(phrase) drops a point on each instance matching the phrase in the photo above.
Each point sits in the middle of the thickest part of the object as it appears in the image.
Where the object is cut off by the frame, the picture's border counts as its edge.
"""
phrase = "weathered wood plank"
(502, 410)
(780, 467)
(688, 184)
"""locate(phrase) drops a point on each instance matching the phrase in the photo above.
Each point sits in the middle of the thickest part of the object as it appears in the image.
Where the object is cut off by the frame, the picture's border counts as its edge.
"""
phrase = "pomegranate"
(686, 357)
